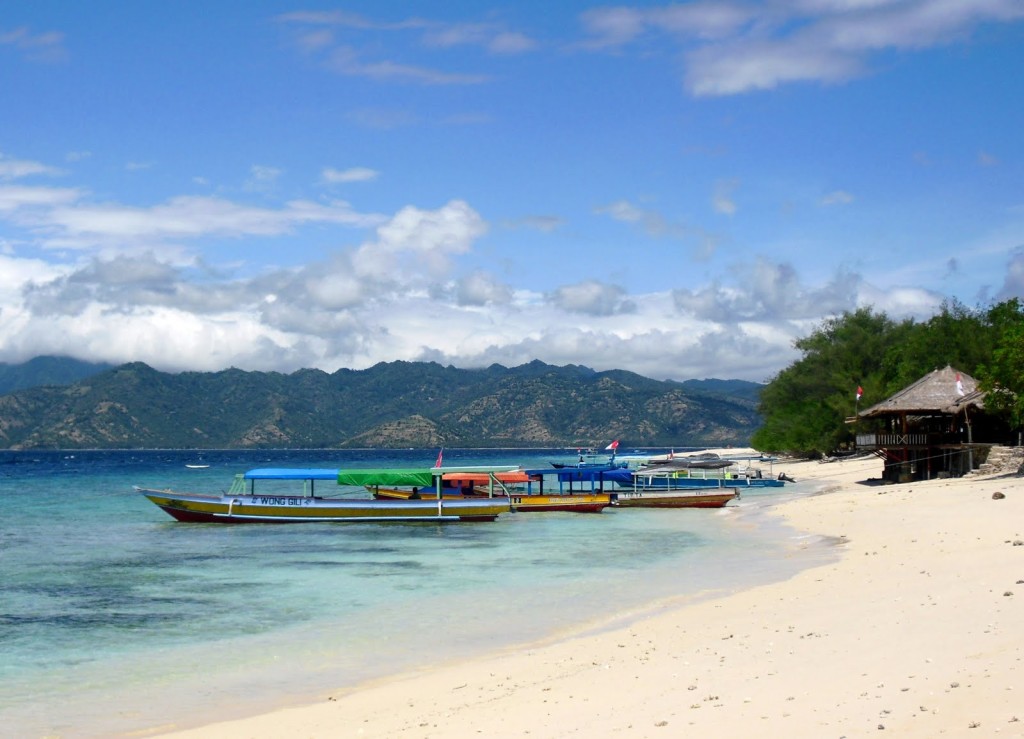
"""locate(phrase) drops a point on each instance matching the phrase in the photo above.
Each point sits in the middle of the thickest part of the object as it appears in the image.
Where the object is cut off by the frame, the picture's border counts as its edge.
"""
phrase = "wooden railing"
(881, 441)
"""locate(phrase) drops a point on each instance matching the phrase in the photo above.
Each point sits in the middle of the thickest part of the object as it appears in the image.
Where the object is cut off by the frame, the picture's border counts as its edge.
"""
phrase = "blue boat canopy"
(291, 473)
(583, 474)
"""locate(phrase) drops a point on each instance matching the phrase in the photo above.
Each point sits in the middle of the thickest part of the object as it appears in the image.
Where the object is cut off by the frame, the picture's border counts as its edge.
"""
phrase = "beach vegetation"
(1002, 375)
(808, 408)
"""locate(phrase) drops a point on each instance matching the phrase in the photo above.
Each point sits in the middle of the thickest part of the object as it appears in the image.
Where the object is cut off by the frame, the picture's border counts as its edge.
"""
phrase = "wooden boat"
(243, 504)
(568, 502)
(518, 487)
(688, 498)
(578, 489)
(699, 471)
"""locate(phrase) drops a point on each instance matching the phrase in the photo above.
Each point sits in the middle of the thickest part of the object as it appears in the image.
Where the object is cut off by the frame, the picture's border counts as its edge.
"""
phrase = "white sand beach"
(917, 630)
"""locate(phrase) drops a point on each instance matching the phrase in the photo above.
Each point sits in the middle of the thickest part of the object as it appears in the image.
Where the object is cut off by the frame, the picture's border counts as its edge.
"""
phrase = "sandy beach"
(916, 630)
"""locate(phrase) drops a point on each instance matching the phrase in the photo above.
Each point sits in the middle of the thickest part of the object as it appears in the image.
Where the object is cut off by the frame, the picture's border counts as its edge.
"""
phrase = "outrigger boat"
(678, 498)
(620, 485)
(243, 504)
(699, 471)
(579, 489)
(515, 486)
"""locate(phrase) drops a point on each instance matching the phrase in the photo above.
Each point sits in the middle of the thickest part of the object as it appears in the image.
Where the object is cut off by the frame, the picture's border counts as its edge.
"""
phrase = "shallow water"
(114, 618)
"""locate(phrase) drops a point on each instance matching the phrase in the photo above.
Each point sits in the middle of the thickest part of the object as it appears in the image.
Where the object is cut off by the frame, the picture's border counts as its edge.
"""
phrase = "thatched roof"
(934, 393)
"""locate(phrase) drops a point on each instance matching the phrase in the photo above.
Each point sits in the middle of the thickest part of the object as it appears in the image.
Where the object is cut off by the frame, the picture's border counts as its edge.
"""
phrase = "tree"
(805, 406)
(1002, 377)
(957, 336)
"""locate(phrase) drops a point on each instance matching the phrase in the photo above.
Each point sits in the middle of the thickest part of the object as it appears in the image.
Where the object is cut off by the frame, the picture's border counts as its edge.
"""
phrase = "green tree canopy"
(805, 407)
(1002, 376)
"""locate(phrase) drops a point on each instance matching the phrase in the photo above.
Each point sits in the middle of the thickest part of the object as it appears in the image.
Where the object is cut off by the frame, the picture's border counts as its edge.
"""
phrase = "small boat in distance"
(243, 504)
(588, 459)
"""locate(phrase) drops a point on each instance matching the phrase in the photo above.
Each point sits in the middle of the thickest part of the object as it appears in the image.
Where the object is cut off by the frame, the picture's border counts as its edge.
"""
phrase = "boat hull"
(569, 502)
(198, 508)
(693, 498)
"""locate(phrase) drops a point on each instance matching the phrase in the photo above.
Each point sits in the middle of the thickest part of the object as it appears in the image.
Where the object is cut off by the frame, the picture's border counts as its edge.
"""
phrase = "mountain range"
(66, 404)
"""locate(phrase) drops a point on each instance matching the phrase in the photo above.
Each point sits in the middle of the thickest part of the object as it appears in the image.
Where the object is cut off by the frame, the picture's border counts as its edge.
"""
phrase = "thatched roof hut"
(943, 391)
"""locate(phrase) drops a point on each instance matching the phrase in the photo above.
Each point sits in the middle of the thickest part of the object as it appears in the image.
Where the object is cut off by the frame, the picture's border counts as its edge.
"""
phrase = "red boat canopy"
(460, 479)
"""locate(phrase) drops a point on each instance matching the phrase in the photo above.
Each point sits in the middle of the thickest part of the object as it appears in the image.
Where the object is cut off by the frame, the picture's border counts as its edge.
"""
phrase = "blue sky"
(680, 190)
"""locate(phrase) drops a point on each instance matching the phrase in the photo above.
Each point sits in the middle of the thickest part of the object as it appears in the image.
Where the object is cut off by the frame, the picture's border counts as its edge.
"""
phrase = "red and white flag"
(959, 384)
(613, 446)
(860, 391)
(440, 454)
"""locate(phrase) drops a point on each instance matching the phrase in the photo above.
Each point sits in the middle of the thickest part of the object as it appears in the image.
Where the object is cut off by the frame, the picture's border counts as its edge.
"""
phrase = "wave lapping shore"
(914, 631)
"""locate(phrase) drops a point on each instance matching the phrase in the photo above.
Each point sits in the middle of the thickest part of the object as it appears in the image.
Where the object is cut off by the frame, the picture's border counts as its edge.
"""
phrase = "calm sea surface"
(115, 619)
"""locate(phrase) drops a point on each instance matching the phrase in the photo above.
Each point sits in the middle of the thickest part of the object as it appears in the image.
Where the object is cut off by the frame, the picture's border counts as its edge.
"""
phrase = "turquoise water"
(116, 619)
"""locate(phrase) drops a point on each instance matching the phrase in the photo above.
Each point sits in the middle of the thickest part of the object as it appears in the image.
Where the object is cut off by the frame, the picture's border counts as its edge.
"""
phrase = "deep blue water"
(115, 619)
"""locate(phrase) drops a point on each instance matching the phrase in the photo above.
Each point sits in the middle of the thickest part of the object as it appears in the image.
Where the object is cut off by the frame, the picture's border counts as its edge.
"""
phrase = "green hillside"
(393, 404)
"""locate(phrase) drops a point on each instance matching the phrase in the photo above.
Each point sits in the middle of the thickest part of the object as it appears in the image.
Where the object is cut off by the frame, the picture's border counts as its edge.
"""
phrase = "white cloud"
(353, 174)
(35, 47)
(16, 273)
(13, 169)
(612, 26)
(481, 289)
(763, 65)
(489, 36)
(837, 197)
(184, 217)
(317, 39)
(17, 197)
(592, 298)
(510, 42)
(769, 292)
(328, 316)
(723, 197)
(703, 243)
(347, 61)
(417, 241)
(1013, 284)
(732, 48)
(545, 223)
(261, 178)
(411, 290)
(652, 222)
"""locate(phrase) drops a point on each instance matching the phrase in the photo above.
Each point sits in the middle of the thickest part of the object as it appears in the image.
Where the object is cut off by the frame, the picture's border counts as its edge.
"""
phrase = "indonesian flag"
(860, 391)
(613, 446)
(440, 455)
(959, 384)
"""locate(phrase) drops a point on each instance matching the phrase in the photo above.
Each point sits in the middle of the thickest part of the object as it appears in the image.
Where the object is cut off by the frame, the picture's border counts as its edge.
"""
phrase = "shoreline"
(915, 628)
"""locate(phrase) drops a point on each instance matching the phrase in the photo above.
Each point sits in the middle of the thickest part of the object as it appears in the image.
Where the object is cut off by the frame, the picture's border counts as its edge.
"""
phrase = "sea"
(116, 620)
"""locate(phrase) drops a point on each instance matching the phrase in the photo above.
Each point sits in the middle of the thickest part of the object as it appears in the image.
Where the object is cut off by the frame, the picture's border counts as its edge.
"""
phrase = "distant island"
(68, 404)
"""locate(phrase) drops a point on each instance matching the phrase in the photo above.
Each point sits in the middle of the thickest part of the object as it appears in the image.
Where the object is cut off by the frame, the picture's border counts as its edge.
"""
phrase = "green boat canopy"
(415, 477)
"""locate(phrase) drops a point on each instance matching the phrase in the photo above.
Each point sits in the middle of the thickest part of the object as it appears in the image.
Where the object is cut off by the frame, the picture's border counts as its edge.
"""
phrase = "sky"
(681, 189)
